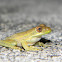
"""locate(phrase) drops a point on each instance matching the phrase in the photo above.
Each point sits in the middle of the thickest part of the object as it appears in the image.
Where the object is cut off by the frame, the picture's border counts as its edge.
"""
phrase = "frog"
(26, 39)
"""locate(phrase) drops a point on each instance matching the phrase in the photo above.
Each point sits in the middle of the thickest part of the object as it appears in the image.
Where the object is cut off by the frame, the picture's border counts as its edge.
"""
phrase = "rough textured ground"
(21, 15)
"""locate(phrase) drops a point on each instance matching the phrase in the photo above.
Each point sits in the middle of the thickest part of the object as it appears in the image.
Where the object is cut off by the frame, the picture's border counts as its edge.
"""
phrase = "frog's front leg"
(9, 43)
(42, 44)
(29, 48)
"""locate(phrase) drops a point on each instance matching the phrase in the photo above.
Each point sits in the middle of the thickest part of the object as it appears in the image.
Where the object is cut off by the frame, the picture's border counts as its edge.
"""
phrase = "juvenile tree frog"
(26, 39)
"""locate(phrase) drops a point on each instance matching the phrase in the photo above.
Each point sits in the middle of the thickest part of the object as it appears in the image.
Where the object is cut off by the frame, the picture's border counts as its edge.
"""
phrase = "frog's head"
(41, 30)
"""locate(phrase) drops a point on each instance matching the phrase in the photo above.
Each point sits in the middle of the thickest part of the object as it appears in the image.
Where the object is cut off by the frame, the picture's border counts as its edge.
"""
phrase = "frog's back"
(21, 35)
(17, 36)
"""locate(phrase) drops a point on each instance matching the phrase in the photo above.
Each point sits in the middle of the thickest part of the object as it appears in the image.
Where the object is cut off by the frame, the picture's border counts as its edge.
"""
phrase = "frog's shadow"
(45, 40)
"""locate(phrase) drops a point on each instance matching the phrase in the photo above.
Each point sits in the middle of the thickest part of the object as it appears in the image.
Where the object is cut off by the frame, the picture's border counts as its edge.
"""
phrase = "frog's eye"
(38, 29)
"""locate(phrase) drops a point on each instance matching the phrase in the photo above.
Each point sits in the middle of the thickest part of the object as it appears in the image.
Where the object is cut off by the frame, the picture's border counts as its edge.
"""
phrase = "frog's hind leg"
(9, 43)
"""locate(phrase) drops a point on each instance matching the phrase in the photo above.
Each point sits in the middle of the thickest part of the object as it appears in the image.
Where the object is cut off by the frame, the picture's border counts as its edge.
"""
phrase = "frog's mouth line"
(47, 32)
(40, 34)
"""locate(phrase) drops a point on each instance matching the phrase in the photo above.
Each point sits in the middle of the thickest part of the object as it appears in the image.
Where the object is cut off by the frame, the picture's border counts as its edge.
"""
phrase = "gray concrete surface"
(21, 15)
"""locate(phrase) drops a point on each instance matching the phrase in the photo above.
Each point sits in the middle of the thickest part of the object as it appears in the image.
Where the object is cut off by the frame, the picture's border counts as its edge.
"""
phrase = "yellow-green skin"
(26, 39)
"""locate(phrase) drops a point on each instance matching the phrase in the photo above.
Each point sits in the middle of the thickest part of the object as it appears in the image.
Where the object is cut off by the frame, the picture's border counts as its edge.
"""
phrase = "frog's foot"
(46, 45)
(42, 44)
(17, 48)
(32, 48)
